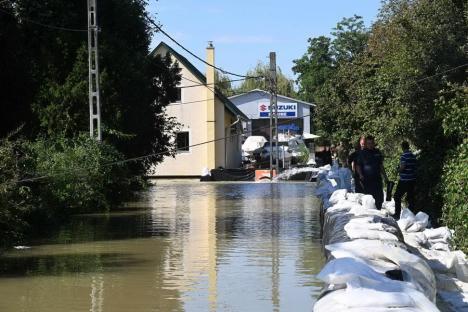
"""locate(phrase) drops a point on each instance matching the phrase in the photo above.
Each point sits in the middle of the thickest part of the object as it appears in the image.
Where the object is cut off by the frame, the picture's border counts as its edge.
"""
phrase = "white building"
(206, 115)
(294, 116)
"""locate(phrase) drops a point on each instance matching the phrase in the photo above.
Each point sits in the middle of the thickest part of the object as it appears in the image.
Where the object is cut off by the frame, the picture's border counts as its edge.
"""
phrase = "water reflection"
(184, 246)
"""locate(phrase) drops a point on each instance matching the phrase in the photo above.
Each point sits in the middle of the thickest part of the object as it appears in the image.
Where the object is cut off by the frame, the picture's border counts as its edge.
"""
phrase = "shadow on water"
(26, 266)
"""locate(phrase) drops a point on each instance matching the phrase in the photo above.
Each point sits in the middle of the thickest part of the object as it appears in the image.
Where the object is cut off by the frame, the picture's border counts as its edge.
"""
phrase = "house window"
(178, 95)
(182, 141)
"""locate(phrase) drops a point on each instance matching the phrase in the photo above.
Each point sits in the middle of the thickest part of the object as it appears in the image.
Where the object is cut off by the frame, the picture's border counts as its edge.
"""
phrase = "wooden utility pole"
(93, 72)
(273, 110)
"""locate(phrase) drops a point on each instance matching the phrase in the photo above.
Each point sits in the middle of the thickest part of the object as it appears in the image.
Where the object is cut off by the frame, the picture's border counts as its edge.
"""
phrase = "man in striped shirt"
(407, 180)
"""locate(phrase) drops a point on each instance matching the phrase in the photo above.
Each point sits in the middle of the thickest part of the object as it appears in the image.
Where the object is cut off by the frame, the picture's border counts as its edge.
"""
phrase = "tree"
(400, 80)
(223, 83)
(135, 86)
(285, 86)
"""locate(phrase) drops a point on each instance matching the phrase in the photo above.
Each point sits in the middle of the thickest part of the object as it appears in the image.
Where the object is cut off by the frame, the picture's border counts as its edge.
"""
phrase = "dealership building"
(294, 116)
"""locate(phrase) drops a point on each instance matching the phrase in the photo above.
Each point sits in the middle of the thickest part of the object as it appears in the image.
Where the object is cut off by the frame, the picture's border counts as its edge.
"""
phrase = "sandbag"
(374, 252)
(366, 289)
(338, 195)
(368, 202)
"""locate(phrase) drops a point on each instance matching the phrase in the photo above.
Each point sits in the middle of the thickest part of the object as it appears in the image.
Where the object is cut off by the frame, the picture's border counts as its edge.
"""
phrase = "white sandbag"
(338, 195)
(336, 302)
(370, 234)
(439, 260)
(344, 203)
(354, 197)
(441, 234)
(406, 219)
(439, 246)
(379, 254)
(367, 289)
(368, 202)
(389, 206)
(344, 270)
(417, 239)
(361, 211)
(420, 222)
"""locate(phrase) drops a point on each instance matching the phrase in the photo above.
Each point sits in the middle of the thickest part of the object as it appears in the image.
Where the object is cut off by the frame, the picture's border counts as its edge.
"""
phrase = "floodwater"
(184, 246)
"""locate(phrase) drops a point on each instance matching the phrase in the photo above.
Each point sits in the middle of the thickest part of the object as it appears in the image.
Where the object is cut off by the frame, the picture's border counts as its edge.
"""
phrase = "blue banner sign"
(285, 110)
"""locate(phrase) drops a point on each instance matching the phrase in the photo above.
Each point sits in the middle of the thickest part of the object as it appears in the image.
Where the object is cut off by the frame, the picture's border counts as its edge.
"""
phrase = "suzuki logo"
(263, 107)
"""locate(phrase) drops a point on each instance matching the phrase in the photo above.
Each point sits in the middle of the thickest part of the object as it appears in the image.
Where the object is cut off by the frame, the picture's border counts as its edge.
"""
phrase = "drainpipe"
(225, 139)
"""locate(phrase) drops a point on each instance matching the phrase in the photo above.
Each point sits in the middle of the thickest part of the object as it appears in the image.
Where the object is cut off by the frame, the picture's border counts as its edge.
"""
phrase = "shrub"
(80, 175)
(44, 181)
(455, 194)
(15, 200)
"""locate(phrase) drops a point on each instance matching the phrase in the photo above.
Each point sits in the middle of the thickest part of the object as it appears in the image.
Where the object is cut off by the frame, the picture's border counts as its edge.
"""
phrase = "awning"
(306, 136)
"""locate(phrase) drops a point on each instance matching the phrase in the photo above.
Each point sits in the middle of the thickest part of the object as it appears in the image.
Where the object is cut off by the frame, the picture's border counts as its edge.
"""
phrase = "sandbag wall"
(369, 267)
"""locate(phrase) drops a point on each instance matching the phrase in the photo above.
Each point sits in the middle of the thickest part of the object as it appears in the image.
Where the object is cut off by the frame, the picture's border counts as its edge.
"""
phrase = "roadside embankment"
(375, 263)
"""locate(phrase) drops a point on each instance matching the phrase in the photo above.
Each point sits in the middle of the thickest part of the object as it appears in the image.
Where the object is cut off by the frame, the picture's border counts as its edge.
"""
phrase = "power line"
(214, 83)
(139, 158)
(438, 74)
(196, 56)
(190, 102)
(44, 25)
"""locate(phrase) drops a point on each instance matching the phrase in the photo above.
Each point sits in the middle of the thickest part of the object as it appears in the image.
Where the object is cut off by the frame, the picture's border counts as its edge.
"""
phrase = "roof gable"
(278, 95)
(181, 59)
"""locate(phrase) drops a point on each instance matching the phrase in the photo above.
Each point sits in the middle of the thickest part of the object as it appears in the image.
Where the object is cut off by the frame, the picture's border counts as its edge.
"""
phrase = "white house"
(206, 115)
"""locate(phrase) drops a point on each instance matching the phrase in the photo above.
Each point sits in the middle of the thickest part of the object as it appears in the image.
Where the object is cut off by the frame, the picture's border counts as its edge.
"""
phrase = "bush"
(455, 194)
(15, 200)
(49, 179)
(80, 175)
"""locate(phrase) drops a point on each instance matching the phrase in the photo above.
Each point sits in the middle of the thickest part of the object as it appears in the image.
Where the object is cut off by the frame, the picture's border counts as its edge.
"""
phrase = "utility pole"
(93, 72)
(272, 109)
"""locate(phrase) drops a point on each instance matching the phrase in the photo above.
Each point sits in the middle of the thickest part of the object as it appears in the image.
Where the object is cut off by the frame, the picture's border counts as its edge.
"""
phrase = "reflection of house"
(206, 115)
(294, 116)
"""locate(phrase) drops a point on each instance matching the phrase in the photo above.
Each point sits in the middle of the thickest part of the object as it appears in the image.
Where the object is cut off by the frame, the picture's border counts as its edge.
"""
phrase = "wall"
(193, 119)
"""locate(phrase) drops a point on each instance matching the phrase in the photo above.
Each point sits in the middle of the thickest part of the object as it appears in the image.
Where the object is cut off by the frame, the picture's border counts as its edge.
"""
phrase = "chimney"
(210, 107)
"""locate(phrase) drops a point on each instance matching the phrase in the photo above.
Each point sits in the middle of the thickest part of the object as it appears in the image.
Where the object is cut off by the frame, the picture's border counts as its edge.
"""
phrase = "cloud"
(244, 39)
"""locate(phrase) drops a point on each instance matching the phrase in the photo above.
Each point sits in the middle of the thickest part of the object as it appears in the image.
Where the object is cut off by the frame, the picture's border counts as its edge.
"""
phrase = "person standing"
(407, 181)
(352, 163)
(371, 170)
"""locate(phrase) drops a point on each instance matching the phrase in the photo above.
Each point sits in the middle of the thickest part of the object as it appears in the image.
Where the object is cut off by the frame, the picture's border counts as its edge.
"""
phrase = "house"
(294, 116)
(211, 125)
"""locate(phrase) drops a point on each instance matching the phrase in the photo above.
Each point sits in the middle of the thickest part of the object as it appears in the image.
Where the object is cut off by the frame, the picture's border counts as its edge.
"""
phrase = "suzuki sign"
(285, 110)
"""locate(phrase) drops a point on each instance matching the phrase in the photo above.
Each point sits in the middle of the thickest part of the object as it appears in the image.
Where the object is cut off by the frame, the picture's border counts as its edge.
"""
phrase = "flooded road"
(184, 246)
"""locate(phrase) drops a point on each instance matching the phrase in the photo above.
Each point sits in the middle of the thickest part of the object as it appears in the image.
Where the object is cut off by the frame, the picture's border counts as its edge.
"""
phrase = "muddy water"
(184, 246)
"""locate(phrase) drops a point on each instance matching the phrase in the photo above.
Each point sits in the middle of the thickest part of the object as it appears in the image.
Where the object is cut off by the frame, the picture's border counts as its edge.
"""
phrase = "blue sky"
(244, 32)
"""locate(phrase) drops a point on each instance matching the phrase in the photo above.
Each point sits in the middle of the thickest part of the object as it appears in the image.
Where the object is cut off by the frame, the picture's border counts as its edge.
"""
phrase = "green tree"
(400, 80)
(223, 83)
(135, 86)
(285, 86)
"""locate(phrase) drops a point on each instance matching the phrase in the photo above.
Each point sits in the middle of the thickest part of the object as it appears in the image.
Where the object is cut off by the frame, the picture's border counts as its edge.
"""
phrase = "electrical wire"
(196, 56)
(214, 83)
(438, 74)
(143, 157)
(190, 102)
(45, 25)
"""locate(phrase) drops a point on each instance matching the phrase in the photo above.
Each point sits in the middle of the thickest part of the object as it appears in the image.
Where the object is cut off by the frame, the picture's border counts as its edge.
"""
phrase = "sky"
(244, 32)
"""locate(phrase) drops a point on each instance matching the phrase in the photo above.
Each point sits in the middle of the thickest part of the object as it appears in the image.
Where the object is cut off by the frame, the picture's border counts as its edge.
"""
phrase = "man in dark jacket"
(407, 181)
(352, 163)
(371, 170)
